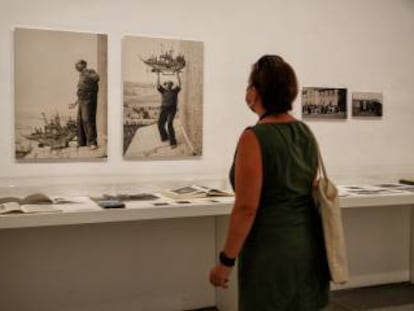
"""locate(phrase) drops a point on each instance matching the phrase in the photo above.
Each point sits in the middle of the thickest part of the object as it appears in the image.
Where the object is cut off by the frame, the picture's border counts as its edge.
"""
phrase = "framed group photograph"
(367, 104)
(324, 103)
(162, 98)
(60, 95)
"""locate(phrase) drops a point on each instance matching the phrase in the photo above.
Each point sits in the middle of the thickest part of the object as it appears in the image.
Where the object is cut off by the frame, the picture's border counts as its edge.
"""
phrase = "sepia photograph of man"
(163, 98)
(60, 97)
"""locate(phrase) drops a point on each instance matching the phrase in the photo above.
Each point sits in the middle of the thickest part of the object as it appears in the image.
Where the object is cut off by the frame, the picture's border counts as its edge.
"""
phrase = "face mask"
(251, 106)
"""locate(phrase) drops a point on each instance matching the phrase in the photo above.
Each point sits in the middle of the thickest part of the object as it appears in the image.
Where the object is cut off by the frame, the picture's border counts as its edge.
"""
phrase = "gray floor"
(393, 297)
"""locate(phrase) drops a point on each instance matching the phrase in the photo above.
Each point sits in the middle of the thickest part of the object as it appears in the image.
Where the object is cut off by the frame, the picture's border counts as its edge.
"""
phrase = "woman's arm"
(248, 186)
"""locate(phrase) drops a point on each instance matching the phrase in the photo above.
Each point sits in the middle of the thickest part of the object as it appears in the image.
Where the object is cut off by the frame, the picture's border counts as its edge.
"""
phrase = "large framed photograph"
(324, 103)
(367, 104)
(60, 95)
(162, 98)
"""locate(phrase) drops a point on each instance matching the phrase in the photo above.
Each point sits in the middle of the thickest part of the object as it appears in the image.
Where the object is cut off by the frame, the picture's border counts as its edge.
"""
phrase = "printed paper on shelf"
(196, 191)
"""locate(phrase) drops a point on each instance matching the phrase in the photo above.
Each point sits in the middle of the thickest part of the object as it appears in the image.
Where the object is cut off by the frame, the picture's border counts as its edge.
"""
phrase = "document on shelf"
(16, 208)
(196, 191)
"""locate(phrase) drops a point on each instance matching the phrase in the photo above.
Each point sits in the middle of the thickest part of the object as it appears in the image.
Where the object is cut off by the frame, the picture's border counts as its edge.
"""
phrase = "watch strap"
(226, 261)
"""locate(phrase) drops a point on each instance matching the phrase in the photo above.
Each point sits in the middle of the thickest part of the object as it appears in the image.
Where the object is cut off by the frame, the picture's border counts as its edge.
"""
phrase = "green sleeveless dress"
(282, 265)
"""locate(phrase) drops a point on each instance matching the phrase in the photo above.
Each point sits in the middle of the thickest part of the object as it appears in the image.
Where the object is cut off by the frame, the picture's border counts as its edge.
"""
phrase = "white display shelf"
(393, 195)
(89, 212)
(377, 200)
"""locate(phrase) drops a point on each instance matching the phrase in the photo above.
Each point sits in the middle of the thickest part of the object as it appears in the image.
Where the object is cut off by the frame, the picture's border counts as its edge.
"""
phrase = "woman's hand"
(219, 276)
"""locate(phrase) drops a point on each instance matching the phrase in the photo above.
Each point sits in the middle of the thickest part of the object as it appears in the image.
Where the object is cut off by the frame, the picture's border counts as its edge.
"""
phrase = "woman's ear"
(254, 96)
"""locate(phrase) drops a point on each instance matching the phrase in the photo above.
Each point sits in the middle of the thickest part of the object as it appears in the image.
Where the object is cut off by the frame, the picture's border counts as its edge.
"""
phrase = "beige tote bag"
(327, 200)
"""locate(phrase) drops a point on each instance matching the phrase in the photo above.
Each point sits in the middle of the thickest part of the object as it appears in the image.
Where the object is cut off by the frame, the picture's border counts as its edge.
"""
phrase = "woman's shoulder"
(248, 142)
(249, 133)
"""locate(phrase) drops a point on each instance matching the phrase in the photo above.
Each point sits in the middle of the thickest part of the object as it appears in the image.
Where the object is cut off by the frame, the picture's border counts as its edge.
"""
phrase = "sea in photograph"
(31, 127)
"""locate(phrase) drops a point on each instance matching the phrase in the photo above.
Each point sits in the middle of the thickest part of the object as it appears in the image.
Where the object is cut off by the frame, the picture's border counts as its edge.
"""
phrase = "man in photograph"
(87, 94)
(169, 100)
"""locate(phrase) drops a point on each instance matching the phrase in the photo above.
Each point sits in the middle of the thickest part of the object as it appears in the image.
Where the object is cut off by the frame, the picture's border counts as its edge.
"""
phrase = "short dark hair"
(82, 62)
(276, 82)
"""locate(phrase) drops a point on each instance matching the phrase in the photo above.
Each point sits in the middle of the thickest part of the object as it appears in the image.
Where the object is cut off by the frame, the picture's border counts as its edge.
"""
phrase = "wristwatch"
(226, 261)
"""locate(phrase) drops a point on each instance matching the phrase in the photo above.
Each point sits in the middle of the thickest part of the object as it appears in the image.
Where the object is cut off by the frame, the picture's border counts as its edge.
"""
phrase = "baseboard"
(395, 308)
(375, 279)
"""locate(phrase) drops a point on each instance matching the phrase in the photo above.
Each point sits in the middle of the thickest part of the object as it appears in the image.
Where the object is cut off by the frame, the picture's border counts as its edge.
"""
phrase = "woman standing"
(275, 229)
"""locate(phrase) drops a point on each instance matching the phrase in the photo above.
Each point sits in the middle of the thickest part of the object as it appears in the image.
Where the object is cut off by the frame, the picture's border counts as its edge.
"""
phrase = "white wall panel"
(361, 46)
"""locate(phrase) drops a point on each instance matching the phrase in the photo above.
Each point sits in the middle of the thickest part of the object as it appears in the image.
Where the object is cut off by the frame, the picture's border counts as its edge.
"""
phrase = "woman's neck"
(267, 117)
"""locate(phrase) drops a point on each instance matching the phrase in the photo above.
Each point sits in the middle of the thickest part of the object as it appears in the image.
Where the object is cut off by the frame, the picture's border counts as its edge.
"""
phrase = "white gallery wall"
(358, 45)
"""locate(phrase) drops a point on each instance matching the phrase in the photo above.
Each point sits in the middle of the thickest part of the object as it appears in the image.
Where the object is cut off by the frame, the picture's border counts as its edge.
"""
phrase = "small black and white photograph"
(324, 103)
(162, 98)
(60, 95)
(367, 104)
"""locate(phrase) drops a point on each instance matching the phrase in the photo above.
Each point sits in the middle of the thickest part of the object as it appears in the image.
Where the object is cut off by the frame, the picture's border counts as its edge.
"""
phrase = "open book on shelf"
(196, 191)
(33, 203)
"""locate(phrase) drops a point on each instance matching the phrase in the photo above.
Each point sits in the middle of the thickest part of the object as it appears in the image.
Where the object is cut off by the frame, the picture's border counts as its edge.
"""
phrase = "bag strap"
(321, 166)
